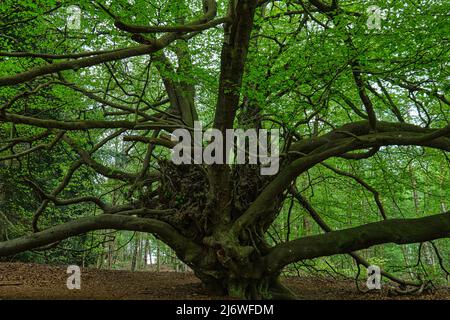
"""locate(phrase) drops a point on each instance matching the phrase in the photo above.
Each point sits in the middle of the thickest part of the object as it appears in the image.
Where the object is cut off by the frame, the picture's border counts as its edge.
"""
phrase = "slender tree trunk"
(134, 258)
(111, 251)
(158, 257)
(145, 256)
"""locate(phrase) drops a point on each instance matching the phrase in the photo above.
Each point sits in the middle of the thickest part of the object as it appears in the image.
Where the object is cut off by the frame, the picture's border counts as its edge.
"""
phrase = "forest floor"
(32, 281)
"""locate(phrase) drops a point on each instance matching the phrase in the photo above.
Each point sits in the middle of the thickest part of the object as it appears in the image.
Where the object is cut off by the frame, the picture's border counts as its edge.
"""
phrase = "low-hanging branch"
(182, 245)
(399, 231)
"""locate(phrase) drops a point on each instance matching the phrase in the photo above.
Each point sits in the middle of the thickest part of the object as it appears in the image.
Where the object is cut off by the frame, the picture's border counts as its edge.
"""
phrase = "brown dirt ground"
(32, 281)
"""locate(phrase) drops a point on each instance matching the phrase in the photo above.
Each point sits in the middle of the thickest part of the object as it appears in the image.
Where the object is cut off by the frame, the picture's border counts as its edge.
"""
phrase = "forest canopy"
(91, 92)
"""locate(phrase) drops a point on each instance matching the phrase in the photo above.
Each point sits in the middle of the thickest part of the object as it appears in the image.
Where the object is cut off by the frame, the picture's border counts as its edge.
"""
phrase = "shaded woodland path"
(32, 281)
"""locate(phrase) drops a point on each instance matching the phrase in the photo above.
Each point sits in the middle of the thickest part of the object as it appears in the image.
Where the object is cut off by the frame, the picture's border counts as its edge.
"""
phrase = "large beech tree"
(137, 70)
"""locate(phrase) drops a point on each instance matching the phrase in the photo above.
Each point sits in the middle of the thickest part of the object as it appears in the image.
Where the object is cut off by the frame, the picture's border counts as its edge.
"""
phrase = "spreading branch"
(182, 245)
(399, 231)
